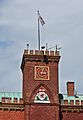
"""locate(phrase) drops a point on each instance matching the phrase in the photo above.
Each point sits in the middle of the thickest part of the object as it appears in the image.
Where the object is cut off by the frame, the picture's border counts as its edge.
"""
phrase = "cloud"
(18, 26)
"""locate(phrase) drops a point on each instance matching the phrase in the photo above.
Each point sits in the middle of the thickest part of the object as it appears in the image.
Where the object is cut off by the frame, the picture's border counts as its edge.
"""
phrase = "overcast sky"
(64, 27)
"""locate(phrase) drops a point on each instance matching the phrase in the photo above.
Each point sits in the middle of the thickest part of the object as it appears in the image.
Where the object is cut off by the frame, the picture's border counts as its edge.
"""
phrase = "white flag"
(41, 19)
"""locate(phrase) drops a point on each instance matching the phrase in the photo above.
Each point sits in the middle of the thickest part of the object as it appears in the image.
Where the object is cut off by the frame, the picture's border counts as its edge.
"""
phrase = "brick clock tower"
(40, 85)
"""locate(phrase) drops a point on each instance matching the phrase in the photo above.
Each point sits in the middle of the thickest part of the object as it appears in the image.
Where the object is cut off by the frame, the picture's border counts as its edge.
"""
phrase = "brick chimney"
(70, 88)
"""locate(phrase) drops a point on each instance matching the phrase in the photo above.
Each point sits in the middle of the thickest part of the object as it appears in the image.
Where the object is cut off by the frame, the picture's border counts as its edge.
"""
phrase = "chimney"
(70, 88)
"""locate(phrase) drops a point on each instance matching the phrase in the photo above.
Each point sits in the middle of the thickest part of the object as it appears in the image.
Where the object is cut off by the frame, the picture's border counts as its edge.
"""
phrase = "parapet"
(40, 52)
(72, 100)
(72, 106)
(11, 97)
(40, 56)
(13, 101)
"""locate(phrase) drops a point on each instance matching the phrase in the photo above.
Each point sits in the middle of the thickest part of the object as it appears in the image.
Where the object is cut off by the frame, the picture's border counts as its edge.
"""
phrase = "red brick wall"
(11, 115)
(29, 90)
(41, 112)
(72, 116)
(30, 84)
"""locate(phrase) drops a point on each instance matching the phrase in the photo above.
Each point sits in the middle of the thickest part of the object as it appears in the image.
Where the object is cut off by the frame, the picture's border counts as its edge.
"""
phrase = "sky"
(63, 26)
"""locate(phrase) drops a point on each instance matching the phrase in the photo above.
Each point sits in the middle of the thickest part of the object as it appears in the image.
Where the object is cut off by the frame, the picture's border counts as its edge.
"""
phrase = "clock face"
(41, 73)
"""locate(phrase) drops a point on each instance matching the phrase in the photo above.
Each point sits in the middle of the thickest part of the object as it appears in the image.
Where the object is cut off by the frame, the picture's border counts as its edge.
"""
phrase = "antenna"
(27, 46)
(46, 46)
(76, 95)
(56, 46)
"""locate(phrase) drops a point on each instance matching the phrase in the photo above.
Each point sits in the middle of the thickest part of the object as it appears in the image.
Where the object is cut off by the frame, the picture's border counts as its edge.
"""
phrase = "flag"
(41, 19)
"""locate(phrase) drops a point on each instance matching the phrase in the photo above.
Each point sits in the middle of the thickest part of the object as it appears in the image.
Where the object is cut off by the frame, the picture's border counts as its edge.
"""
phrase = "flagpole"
(38, 31)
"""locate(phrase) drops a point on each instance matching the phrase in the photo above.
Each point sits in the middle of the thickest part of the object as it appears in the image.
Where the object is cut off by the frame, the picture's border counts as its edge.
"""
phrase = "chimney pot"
(70, 88)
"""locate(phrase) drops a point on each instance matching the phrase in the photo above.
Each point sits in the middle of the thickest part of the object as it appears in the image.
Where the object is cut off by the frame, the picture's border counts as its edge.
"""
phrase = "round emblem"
(41, 95)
